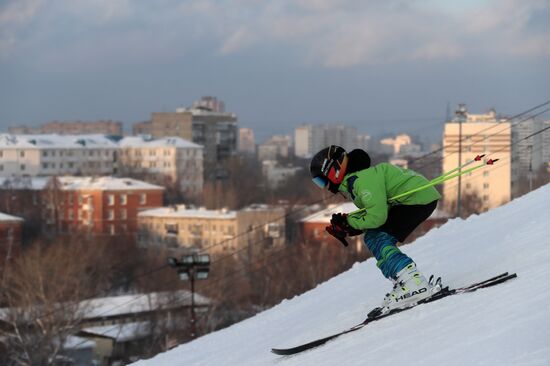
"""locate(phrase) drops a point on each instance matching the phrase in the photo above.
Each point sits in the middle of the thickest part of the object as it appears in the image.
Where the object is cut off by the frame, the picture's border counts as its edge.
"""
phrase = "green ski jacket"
(372, 188)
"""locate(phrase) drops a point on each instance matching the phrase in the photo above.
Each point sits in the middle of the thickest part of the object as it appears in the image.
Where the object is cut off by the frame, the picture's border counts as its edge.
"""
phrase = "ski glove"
(340, 229)
(340, 220)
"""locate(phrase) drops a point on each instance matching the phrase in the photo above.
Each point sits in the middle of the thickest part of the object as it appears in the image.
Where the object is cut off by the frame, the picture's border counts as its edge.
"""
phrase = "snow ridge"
(504, 325)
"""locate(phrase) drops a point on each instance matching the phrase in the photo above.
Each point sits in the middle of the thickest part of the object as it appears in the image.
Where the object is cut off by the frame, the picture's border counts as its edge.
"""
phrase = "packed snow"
(508, 324)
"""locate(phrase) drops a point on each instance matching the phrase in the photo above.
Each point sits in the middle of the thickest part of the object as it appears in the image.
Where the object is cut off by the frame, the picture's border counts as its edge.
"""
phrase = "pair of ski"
(376, 315)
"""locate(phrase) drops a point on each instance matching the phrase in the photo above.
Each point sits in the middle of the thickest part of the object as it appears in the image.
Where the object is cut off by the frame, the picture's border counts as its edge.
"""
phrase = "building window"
(1, 154)
(22, 154)
(486, 197)
(485, 185)
(44, 153)
(142, 198)
(123, 214)
(485, 174)
(123, 199)
(111, 199)
(112, 230)
(44, 165)
(22, 167)
(171, 229)
(110, 214)
(70, 215)
(1, 168)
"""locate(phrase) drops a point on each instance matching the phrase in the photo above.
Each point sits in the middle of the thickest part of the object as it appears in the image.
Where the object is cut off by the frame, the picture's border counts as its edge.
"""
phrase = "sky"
(382, 66)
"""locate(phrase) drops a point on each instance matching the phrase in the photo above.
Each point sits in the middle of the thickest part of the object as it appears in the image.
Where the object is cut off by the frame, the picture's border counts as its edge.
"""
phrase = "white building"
(400, 144)
(46, 155)
(309, 139)
(247, 142)
(481, 134)
(174, 158)
(278, 146)
(276, 175)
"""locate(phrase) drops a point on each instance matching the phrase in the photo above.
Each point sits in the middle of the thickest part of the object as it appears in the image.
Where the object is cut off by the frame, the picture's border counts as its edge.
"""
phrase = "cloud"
(332, 33)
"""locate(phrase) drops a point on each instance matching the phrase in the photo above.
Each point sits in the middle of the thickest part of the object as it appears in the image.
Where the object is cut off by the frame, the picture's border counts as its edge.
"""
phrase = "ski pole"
(445, 177)
(477, 158)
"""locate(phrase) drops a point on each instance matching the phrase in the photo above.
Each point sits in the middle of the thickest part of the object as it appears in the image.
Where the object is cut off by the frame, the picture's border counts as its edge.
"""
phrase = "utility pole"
(190, 268)
(461, 117)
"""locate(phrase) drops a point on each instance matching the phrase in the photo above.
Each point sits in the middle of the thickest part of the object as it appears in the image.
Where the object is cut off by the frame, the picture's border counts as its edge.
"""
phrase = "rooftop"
(181, 211)
(56, 141)
(144, 141)
(106, 183)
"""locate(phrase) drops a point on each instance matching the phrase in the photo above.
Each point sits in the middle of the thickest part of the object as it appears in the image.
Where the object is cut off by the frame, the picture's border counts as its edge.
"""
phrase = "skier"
(384, 222)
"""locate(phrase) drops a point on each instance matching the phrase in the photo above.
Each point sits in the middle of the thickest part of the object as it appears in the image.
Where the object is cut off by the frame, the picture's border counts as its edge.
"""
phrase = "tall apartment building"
(107, 127)
(215, 131)
(174, 158)
(481, 134)
(247, 142)
(309, 138)
(216, 231)
(45, 155)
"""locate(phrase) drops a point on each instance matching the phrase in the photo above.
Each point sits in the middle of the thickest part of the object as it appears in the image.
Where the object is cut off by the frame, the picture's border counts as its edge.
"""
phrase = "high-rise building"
(309, 138)
(247, 142)
(480, 134)
(215, 131)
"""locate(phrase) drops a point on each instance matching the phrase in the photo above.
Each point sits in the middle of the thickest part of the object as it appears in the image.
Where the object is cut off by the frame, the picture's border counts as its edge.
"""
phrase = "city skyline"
(382, 67)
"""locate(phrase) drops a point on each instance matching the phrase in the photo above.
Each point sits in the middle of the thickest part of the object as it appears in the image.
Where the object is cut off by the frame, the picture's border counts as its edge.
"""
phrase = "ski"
(445, 292)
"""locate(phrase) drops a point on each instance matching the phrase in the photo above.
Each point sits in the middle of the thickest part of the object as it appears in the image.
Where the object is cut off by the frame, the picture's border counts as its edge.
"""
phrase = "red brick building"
(105, 205)
(94, 205)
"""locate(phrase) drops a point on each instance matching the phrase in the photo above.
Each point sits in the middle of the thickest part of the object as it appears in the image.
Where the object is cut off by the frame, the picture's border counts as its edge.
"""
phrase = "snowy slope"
(504, 325)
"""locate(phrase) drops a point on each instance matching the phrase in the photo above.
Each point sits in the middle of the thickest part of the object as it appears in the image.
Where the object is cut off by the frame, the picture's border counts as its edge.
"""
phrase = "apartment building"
(106, 127)
(93, 205)
(481, 134)
(173, 158)
(215, 131)
(247, 142)
(48, 155)
(278, 146)
(216, 231)
(309, 138)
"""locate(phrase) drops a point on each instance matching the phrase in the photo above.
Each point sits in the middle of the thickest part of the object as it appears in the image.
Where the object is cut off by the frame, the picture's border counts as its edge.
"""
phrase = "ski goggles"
(320, 182)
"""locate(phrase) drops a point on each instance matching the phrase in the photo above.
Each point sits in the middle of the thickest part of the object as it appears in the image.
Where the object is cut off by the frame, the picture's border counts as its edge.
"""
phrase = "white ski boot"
(410, 287)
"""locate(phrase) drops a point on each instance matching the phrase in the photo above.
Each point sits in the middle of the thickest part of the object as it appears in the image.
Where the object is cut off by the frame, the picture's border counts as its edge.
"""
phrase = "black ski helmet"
(328, 167)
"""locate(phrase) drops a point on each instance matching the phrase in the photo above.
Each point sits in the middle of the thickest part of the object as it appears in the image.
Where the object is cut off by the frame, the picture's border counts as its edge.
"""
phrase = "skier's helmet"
(328, 167)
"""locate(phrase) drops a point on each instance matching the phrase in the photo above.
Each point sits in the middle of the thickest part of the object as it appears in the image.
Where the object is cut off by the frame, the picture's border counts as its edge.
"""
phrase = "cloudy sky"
(385, 65)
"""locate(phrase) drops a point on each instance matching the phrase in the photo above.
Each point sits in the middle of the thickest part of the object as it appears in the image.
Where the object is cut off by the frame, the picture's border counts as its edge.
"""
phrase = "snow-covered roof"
(181, 211)
(55, 141)
(74, 342)
(121, 332)
(142, 141)
(9, 218)
(139, 303)
(106, 183)
(324, 216)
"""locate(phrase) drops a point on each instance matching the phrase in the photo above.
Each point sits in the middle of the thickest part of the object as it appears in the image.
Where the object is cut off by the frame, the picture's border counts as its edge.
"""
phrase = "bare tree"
(43, 293)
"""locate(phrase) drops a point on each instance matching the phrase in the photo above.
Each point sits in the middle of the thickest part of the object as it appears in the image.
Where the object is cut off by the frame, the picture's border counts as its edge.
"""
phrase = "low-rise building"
(94, 205)
(158, 160)
(214, 231)
(49, 155)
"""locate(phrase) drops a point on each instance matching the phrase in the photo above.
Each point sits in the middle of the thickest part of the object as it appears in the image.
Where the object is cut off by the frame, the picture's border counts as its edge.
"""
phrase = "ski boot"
(410, 288)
